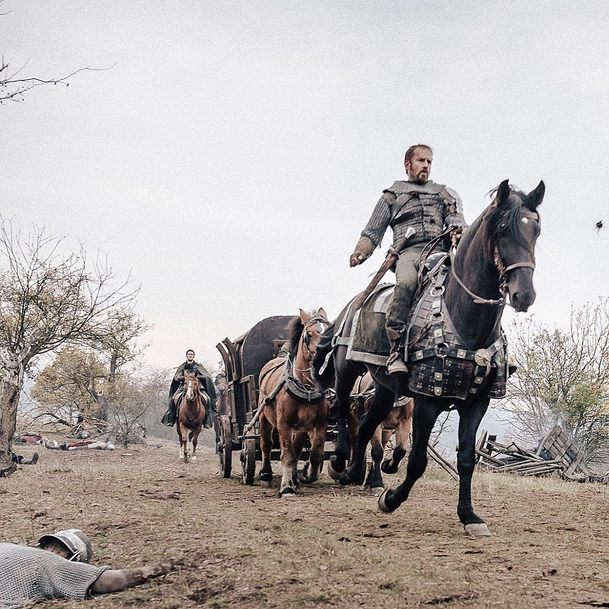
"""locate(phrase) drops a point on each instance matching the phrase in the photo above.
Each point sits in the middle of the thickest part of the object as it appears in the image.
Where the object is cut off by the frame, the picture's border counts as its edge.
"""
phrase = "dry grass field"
(244, 547)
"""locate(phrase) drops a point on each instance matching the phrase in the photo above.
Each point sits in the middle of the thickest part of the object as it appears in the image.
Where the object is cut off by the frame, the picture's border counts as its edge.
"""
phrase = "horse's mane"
(500, 220)
(295, 328)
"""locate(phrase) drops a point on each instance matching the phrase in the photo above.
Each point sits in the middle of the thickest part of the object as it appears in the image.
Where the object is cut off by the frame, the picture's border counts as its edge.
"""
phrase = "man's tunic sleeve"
(454, 215)
(379, 221)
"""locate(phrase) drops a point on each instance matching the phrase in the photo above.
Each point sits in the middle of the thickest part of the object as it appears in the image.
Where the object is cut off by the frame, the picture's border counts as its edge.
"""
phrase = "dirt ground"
(328, 547)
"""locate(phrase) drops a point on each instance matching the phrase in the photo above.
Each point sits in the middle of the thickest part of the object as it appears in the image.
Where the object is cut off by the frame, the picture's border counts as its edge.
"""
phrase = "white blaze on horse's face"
(189, 390)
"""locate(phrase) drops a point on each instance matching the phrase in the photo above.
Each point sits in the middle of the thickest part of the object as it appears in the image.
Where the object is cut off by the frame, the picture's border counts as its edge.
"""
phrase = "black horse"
(495, 259)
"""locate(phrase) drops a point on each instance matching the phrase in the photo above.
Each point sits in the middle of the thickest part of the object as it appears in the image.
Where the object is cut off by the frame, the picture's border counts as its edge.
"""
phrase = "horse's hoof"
(383, 503)
(266, 476)
(351, 477)
(477, 529)
(377, 491)
(334, 474)
(388, 467)
(287, 493)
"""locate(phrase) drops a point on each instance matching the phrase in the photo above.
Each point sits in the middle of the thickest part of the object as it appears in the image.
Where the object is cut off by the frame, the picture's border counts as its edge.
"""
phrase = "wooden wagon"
(243, 359)
(236, 425)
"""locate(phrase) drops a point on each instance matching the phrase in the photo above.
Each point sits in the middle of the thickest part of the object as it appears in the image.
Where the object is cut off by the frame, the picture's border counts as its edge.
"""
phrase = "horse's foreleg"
(375, 479)
(181, 442)
(426, 411)
(402, 437)
(380, 408)
(288, 460)
(316, 458)
(346, 375)
(185, 433)
(298, 440)
(194, 438)
(266, 444)
(469, 420)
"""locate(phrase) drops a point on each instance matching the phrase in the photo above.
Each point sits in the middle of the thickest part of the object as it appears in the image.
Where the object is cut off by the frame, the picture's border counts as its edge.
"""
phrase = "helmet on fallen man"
(74, 540)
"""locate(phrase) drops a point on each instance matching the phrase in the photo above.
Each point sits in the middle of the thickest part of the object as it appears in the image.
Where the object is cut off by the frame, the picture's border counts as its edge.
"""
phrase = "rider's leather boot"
(395, 363)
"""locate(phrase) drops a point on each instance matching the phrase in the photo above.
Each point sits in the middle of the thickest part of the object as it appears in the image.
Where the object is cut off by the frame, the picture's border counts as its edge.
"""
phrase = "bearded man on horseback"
(175, 390)
(428, 208)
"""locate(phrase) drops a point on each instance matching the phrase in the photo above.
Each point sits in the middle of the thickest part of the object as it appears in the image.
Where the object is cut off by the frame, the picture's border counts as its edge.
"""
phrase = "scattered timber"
(556, 453)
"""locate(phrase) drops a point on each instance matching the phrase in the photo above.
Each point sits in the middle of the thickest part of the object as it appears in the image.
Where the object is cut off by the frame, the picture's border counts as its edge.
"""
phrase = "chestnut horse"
(191, 414)
(290, 402)
(492, 266)
(398, 422)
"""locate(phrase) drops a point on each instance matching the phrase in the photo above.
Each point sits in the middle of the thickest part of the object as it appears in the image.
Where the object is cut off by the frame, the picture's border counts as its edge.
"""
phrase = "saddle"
(177, 396)
(439, 362)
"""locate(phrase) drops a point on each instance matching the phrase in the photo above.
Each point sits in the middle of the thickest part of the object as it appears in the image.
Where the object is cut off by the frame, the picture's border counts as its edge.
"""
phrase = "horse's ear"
(304, 317)
(503, 192)
(535, 197)
(321, 313)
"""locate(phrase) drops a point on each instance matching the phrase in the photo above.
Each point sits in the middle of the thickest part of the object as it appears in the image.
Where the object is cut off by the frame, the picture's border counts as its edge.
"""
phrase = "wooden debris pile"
(556, 453)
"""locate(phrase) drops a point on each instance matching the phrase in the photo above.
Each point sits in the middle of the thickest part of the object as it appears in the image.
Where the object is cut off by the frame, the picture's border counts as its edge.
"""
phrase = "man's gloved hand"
(363, 249)
(356, 258)
(455, 234)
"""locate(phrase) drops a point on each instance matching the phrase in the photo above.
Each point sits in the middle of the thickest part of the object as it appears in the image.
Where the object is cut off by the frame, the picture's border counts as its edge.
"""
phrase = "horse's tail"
(323, 362)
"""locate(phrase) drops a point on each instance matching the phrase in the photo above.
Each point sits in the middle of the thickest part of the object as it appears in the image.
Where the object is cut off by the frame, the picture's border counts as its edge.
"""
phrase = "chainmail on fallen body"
(29, 574)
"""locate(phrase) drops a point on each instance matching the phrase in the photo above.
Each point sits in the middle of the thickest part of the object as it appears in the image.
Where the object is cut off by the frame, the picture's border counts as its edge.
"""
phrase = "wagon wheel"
(225, 445)
(248, 461)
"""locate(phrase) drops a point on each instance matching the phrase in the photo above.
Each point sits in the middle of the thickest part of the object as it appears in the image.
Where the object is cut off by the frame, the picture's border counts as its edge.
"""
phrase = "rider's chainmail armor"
(28, 574)
(429, 208)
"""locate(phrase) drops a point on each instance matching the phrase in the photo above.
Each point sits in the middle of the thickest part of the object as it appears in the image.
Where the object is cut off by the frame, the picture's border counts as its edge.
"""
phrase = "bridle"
(189, 392)
(306, 337)
(303, 387)
(501, 269)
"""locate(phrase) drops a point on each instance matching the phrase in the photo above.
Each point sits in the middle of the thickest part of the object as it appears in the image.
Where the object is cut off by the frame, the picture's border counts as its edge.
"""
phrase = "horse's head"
(513, 223)
(306, 332)
(191, 386)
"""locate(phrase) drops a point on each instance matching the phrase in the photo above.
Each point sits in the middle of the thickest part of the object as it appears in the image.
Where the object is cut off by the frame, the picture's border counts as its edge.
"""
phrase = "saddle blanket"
(368, 341)
(439, 363)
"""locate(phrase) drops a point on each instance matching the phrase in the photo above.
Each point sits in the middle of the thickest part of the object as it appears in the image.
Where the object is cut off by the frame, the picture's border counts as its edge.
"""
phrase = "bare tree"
(14, 84)
(117, 338)
(47, 299)
(563, 377)
(13, 88)
(135, 398)
(70, 385)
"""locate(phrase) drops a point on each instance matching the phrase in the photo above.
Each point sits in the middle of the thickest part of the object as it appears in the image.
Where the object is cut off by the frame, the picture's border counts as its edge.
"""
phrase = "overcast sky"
(233, 151)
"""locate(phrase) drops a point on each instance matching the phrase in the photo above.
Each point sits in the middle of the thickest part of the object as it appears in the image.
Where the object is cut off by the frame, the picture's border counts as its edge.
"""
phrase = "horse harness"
(294, 386)
(440, 365)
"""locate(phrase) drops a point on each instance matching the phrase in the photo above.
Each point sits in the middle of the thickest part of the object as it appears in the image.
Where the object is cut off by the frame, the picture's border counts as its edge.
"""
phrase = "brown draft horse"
(398, 422)
(191, 414)
(291, 403)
